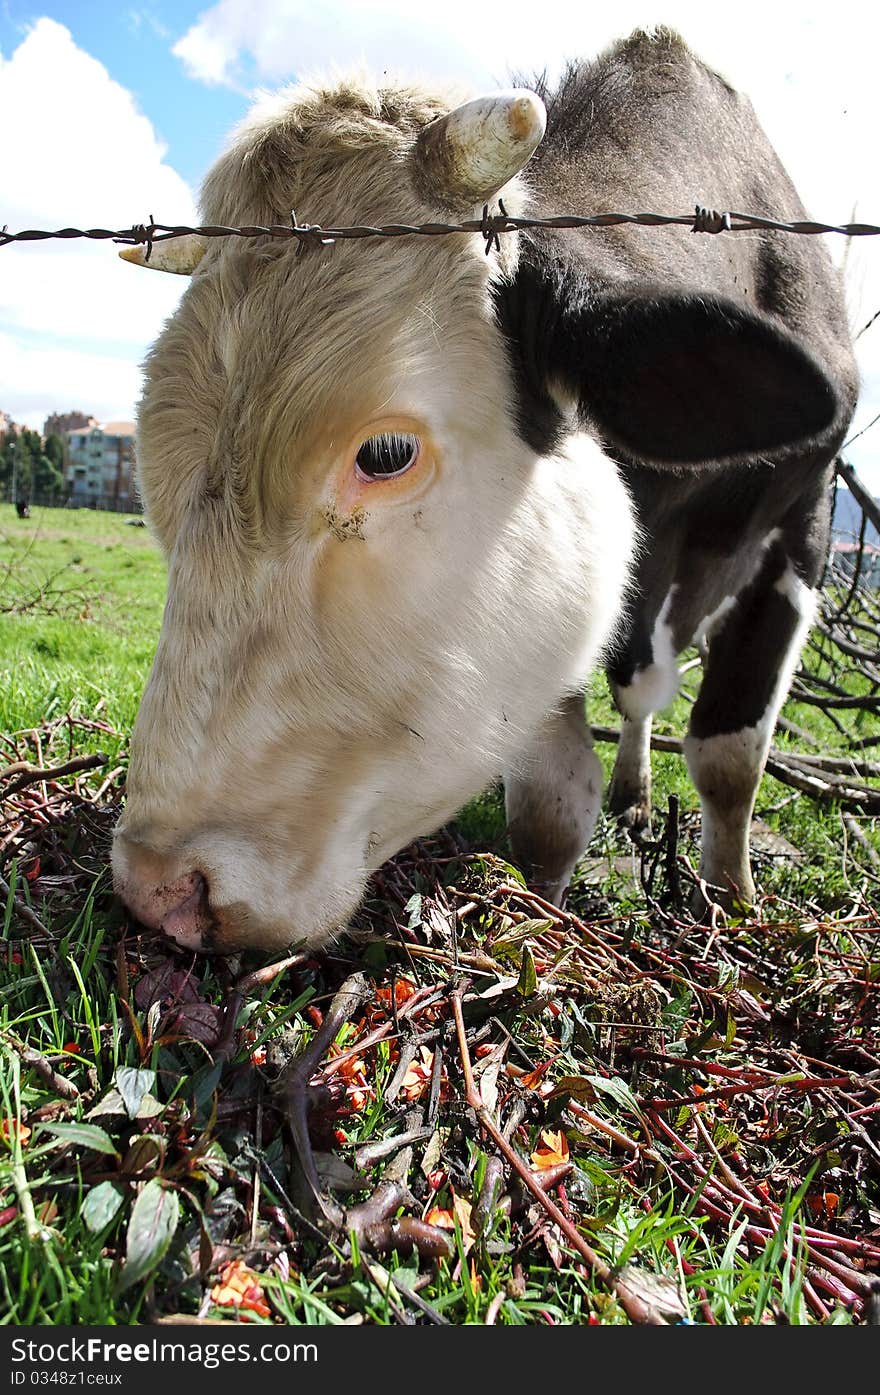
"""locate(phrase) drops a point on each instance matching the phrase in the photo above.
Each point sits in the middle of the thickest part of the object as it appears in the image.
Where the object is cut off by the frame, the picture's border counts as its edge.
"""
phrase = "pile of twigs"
(738, 1121)
(729, 1069)
(55, 824)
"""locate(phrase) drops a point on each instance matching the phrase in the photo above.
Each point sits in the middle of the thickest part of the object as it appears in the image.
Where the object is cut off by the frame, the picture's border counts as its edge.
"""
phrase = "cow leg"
(752, 655)
(646, 689)
(552, 799)
(629, 795)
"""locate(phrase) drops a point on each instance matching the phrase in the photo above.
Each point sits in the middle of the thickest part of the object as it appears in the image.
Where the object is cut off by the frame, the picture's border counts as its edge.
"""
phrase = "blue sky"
(134, 44)
(109, 112)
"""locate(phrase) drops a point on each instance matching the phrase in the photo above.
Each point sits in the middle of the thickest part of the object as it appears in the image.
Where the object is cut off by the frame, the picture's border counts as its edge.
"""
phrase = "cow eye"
(382, 457)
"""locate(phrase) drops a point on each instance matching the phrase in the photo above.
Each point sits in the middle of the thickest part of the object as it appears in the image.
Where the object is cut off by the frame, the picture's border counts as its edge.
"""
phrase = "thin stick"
(635, 1307)
(33, 773)
(354, 991)
(43, 1068)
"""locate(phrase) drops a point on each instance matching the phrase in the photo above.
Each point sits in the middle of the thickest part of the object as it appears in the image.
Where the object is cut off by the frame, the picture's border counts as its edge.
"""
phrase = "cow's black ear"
(672, 379)
(696, 380)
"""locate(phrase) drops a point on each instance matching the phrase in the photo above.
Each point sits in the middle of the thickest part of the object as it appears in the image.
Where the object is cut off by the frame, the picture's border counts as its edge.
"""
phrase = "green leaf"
(101, 1205)
(375, 957)
(579, 1087)
(513, 872)
(114, 1104)
(728, 977)
(618, 1090)
(204, 1082)
(146, 1154)
(153, 1222)
(676, 1013)
(528, 975)
(515, 934)
(86, 1135)
(132, 1084)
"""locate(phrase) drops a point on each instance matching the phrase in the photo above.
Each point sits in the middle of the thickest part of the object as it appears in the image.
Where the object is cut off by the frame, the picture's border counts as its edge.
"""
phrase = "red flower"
(239, 1287)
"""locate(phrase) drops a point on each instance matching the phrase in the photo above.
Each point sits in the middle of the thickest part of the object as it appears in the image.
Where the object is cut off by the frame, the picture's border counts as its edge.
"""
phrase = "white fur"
(632, 767)
(654, 686)
(406, 666)
(726, 769)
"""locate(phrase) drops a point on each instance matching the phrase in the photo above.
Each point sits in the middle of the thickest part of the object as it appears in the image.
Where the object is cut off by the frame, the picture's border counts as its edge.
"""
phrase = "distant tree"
(33, 467)
(16, 464)
(30, 448)
(48, 479)
(5, 467)
(54, 451)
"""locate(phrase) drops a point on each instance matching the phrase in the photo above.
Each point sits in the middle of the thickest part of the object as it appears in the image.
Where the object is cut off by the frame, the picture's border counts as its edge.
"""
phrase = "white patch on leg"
(654, 686)
(802, 599)
(630, 793)
(632, 767)
(727, 768)
(712, 623)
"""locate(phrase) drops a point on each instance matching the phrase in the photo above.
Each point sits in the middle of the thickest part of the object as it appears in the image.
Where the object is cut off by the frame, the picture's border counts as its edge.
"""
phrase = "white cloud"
(107, 386)
(810, 71)
(84, 154)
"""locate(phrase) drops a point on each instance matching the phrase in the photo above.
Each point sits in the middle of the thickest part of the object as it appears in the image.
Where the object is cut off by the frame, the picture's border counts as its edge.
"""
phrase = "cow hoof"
(634, 816)
(556, 892)
(631, 806)
(705, 907)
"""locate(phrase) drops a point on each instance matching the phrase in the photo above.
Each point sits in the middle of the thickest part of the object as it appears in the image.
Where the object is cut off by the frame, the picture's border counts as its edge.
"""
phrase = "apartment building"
(99, 470)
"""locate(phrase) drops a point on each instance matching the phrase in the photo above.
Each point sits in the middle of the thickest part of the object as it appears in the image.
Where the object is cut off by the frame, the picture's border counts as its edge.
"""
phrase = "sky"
(112, 112)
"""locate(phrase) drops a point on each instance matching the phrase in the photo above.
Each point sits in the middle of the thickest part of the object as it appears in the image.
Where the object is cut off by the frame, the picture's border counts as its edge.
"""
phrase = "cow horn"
(469, 154)
(178, 254)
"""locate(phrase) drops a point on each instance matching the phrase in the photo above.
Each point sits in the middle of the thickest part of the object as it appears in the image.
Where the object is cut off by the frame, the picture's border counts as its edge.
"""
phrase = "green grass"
(91, 656)
(194, 1146)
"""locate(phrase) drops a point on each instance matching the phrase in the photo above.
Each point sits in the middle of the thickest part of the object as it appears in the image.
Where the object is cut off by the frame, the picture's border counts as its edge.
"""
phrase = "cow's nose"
(159, 895)
(188, 922)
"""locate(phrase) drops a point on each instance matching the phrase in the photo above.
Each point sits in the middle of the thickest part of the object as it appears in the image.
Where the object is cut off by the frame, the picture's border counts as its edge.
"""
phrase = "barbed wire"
(490, 227)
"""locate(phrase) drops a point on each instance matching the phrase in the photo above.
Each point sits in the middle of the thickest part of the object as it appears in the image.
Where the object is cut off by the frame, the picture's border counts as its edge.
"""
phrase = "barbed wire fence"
(491, 226)
(839, 672)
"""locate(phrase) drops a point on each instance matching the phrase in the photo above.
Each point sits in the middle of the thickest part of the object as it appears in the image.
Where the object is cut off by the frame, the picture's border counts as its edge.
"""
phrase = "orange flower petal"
(404, 989)
(239, 1287)
(418, 1075)
(444, 1219)
(11, 1128)
(552, 1150)
(532, 1079)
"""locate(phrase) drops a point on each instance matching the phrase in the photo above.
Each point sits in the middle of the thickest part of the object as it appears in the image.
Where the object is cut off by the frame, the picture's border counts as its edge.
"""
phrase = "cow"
(412, 492)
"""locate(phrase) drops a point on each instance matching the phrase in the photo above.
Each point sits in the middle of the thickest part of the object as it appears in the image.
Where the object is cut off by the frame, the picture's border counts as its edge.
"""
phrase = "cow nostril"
(188, 921)
(199, 886)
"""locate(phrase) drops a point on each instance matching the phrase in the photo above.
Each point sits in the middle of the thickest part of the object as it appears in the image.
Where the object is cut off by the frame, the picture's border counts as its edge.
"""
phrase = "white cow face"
(376, 590)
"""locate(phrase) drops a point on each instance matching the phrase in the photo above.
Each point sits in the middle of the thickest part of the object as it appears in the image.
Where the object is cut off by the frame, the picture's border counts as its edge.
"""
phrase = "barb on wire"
(490, 227)
(493, 225)
(708, 220)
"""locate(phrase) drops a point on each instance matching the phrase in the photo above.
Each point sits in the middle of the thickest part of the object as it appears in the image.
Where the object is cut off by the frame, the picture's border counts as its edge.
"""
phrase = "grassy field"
(88, 644)
(699, 1105)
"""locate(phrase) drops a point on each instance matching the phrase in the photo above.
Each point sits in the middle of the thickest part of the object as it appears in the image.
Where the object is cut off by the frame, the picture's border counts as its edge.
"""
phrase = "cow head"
(375, 588)
(378, 583)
